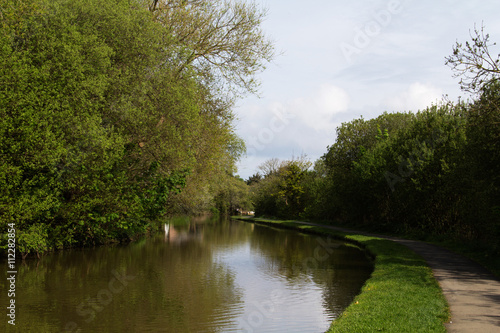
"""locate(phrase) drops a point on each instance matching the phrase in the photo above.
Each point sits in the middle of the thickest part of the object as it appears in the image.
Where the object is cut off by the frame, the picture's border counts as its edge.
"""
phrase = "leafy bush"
(33, 240)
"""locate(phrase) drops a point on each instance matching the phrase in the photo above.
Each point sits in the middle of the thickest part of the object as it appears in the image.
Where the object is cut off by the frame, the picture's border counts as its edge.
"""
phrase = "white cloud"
(332, 99)
(418, 96)
(317, 111)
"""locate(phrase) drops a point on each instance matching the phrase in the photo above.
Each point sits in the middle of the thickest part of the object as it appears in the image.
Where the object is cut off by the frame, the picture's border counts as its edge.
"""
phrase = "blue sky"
(341, 60)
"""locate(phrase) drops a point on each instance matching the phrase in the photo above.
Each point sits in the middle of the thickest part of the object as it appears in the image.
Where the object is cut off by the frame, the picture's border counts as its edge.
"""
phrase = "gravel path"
(473, 293)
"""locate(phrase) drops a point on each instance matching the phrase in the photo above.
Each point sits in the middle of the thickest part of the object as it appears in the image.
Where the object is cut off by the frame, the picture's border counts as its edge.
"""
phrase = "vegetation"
(401, 295)
(115, 113)
(280, 191)
(434, 174)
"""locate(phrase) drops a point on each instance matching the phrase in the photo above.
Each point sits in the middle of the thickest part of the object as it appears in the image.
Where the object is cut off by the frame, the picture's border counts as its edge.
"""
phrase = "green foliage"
(291, 189)
(233, 195)
(265, 196)
(431, 174)
(481, 169)
(434, 174)
(281, 192)
(155, 197)
(317, 191)
(356, 137)
(103, 121)
(33, 240)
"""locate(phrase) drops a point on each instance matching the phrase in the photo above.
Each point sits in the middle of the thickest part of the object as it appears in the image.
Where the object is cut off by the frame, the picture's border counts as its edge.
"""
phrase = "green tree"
(346, 197)
(280, 192)
(480, 170)
(291, 190)
(254, 179)
(479, 72)
(233, 196)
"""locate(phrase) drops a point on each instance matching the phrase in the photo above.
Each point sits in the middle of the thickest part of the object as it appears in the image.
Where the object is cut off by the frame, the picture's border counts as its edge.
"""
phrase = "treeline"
(435, 172)
(116, 113)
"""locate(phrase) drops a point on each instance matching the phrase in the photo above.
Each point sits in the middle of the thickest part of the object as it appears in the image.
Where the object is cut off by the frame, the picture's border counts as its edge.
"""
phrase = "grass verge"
(401, 295)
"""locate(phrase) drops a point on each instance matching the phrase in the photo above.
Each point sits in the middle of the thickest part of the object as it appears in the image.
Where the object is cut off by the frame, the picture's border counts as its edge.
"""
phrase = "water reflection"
(217, 276)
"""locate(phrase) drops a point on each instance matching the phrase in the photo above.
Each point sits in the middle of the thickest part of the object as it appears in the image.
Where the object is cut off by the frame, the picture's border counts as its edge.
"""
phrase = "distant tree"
(281, 191)
(255, 179)
(320, 168)
(270, 167)
(291, 189)
(233, 194)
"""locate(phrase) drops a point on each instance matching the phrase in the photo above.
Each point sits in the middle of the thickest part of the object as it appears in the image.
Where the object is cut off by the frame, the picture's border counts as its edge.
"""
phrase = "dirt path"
(473, 293)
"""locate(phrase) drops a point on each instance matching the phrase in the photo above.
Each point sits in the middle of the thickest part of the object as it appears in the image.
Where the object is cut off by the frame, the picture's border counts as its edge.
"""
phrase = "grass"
(401, 295)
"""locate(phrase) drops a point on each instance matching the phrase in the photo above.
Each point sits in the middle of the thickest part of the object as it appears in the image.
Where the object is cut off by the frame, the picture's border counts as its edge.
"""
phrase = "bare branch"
(473, 62)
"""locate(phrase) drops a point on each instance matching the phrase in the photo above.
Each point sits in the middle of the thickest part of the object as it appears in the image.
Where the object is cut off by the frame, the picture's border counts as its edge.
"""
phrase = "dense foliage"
(280, 191)
(110, 108)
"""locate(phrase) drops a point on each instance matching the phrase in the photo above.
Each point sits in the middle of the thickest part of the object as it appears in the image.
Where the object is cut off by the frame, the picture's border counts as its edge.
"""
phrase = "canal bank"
(401, 295)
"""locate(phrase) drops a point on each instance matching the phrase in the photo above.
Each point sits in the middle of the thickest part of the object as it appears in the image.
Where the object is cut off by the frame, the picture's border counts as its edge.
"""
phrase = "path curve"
(472, 292)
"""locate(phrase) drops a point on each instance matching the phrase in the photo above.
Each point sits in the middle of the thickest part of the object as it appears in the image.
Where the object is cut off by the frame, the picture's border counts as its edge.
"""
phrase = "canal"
(196, 275)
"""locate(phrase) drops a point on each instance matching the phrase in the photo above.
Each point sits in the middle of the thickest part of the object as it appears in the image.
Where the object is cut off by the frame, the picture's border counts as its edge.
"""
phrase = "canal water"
(196, 276)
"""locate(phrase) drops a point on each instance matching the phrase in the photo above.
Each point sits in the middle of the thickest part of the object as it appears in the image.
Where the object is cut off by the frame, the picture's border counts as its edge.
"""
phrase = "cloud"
(317, 111)
(305, 124)
(418, 96)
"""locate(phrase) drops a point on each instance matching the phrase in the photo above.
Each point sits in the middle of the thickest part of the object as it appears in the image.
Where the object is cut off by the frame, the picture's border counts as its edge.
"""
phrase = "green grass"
(400, 296)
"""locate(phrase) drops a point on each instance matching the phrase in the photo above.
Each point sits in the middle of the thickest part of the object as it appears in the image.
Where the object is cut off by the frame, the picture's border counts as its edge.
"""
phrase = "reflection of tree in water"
(188, 290)
(177, 287)
(300, 258)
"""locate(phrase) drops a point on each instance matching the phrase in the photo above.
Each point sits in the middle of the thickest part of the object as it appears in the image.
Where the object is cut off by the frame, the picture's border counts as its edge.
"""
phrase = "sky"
(340, 60)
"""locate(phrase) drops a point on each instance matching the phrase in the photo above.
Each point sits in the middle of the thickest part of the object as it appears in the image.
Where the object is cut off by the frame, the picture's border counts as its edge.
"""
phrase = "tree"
(255, 179)
(271, 167)
(479, 70)
(481, 168)
(233, 195)
(280, 191)
(221, 40)
(291, 190)
(77, 142)
(358, 136)
(473, 62)
(221, 44)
